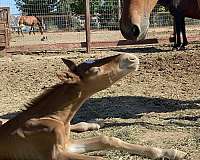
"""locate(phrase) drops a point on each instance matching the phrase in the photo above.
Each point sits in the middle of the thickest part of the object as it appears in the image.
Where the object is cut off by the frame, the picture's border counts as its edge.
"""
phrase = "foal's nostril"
(131, 59)
(135, 31)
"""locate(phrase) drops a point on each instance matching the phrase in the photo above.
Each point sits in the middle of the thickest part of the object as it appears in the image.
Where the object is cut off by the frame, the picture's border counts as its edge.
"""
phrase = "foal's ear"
(68, 77)
(70, 64)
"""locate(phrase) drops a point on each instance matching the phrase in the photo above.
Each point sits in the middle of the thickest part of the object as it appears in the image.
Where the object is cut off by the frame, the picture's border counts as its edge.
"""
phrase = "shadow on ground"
(151, 49)
(130, 107)
(126, 107)
(142, 50)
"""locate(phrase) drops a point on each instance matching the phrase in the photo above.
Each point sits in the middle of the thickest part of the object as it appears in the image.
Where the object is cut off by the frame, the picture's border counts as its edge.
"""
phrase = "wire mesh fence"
(64, 20)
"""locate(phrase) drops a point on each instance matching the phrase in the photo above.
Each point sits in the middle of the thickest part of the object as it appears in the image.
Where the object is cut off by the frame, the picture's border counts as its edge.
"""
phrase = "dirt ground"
(158, 105)
(75, 37)
(63, 37)
(96, 35)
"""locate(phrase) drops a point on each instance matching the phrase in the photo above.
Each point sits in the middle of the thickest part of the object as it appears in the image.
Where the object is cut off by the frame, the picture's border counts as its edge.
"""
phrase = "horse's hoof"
(182, 48)
(175, 48)
(172, 39)
(171, 154)
(185, 43)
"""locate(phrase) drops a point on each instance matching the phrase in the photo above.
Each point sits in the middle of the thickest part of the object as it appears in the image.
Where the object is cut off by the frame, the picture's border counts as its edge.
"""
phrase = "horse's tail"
(39, 22)
(19, 19)
(40, 25)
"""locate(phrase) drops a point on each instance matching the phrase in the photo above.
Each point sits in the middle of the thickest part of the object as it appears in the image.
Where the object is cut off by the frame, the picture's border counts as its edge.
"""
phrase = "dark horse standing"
(135, 17)
(30, 21)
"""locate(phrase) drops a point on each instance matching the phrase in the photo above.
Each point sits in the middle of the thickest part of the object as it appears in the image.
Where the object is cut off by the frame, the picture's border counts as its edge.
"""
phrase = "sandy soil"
(159, 105)
(96, 35)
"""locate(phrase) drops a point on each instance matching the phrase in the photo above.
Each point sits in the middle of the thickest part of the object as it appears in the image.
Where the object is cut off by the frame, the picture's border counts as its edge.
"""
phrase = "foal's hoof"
(171, 154)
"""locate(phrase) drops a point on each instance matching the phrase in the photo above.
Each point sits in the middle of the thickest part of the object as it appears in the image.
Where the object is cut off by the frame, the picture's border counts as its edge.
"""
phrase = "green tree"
(37, 7)
(74, 6)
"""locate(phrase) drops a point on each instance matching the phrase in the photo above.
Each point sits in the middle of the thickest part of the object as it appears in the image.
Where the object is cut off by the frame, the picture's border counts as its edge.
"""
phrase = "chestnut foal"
(42, 132)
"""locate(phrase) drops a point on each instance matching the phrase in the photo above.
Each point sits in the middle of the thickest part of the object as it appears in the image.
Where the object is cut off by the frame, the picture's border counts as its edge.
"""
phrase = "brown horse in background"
(134, 22)
(30, 21)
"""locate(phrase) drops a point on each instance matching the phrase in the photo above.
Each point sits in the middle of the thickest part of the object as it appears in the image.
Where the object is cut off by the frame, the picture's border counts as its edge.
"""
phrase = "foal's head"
(95, 75)
(135, 18)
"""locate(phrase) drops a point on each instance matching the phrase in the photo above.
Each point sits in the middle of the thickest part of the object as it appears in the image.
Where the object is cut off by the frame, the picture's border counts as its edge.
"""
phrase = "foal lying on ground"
(42, 132)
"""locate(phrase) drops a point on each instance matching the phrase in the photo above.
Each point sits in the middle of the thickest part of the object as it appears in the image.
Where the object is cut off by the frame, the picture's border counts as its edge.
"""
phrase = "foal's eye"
(94, 70)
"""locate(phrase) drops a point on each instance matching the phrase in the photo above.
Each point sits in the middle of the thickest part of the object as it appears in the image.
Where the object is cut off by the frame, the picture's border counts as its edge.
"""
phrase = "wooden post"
(5, 27)
(87, 26)
(119, 9)
(8, 31)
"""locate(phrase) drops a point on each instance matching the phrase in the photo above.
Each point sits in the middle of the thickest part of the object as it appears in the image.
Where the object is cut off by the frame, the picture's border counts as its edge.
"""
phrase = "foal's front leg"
(52, 128)
(84, 126)
(109, 143)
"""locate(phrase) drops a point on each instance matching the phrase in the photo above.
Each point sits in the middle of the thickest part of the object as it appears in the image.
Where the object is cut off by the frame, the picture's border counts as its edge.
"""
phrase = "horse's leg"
(173, 35)
(109, 143)
(18, 30)
(177, 44)
(21, 31)
(41, 29)
(178, 22)
(183, 30)
(31, 29)
(83, 126)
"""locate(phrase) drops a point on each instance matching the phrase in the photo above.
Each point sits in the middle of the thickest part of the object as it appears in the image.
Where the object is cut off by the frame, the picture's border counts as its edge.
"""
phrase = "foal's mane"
(33, 102)
(31, 110)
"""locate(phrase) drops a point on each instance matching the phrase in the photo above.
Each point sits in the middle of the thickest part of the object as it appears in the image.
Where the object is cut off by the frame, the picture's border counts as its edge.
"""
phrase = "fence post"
(87, 25)
(119, 9)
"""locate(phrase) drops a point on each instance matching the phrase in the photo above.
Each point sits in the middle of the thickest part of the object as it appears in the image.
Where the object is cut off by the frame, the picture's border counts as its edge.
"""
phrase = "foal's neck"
(61, 101)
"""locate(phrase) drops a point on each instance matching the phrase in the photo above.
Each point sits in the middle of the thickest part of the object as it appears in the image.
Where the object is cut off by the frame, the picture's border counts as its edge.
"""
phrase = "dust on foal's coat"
(42, 132)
